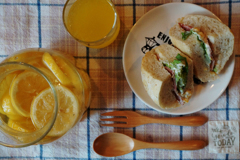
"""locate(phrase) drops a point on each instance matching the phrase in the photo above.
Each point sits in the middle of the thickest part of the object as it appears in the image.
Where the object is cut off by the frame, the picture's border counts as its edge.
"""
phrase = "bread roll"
(220, 38)
(158, 81)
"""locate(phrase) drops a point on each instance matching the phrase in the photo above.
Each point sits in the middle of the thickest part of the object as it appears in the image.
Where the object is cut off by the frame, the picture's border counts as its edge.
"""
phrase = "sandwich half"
(167, 76)
(207, 41)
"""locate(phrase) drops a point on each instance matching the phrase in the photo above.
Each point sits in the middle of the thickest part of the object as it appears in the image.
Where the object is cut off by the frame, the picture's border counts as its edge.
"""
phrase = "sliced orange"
(37, 62)
(4, 87)
(24, 88)
(49, 74)
(67, 70)
(23, 125)
(74, 77)
(9, 109)
(68, 110)
(52, 66)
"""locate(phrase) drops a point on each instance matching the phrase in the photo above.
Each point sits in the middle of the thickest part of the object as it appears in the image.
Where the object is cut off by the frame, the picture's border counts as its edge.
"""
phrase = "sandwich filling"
(203, 41)
(178, 69)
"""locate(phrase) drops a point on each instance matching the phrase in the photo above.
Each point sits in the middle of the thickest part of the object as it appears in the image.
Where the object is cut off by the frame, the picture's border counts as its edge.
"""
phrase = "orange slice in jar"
(4, 87)
(68, 70)
(9, 109)
(74, 77)
(23, 125)
(24, 88)
(52, 66)
(37, 62)
(43, 106)
(49, 74)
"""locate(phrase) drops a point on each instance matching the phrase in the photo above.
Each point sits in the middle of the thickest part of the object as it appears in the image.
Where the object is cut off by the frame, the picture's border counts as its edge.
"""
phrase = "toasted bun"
(220, 38)
(157, 80)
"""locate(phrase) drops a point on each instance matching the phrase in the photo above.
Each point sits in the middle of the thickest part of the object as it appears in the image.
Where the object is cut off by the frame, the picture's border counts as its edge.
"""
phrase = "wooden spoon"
(117, 144)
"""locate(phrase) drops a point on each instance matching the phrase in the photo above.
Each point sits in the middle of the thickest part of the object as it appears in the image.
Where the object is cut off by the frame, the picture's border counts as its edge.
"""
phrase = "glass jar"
(43, 96)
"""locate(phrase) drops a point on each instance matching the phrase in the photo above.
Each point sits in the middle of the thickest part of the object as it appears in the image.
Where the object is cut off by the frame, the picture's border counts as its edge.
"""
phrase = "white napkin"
(223, 136)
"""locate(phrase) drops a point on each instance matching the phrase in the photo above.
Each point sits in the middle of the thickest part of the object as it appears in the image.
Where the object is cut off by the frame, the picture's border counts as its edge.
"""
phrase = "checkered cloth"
(35, 23)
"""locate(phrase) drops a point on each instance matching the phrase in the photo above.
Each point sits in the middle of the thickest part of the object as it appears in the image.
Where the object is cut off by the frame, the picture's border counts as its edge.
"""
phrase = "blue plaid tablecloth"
(38, 23)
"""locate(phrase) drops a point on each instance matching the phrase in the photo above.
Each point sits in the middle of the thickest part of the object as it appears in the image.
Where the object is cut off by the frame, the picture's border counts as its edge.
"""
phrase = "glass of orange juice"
(93, 23)
(42, 96)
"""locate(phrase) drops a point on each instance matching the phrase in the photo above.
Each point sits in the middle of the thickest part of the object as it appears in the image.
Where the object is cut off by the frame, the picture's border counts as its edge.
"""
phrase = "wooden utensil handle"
(178, 145)
(182, 145)
(181, 121)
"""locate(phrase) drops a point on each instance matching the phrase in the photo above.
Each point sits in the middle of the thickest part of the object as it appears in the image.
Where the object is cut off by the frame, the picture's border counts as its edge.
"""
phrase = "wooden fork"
(130, 119)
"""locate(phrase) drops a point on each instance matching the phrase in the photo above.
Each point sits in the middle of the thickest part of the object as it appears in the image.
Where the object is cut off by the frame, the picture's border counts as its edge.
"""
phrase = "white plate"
(161, 19)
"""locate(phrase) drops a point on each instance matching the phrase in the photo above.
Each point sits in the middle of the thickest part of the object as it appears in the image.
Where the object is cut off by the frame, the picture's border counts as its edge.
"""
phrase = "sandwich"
(207, 41)
(167, 76)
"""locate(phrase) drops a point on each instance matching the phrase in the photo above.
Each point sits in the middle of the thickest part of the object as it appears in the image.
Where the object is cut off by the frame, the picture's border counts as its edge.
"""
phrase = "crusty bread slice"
(220, 38)
(157, 80)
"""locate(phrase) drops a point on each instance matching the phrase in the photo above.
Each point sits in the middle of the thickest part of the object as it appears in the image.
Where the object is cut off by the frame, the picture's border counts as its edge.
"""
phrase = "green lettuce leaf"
(180, 68)
(206, 56)
(186, 34)
(215, 69)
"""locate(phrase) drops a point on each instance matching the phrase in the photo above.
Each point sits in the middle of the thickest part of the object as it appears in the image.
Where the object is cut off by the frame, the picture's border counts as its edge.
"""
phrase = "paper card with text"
(223, 136)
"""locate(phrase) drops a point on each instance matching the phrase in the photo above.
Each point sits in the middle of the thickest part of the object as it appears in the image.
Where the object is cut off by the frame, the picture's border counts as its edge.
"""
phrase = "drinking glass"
(93, 23)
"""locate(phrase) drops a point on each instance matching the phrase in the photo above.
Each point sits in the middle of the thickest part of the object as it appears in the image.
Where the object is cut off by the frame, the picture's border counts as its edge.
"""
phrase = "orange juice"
(92, 20)
(27, 100)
